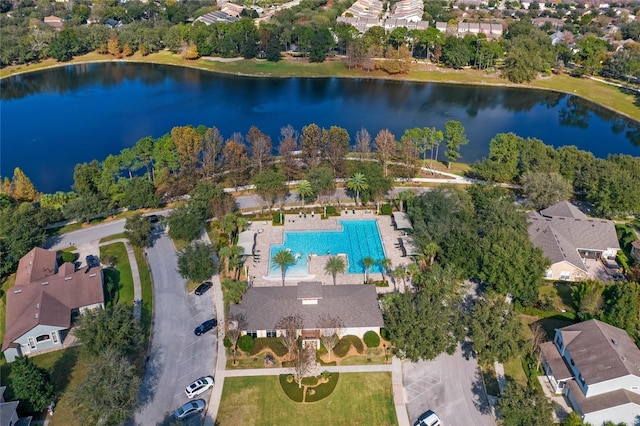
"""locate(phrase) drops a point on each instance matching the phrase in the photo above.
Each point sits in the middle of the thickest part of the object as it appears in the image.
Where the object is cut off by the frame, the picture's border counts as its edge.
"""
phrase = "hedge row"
(272, 343)
(343, 346)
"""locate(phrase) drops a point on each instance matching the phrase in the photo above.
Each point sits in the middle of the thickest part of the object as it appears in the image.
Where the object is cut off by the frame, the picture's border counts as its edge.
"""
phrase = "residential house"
(9, 414)
(597, 367)
(112, 23)
(217, 16)
(45, 297)
(568, 238)
(54, 21)
(355, 305)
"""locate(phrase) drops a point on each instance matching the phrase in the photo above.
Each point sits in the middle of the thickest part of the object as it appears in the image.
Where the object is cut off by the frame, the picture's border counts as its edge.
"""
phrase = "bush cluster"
(343, 346)
(385, 209)
(272, 343)
(245, 343)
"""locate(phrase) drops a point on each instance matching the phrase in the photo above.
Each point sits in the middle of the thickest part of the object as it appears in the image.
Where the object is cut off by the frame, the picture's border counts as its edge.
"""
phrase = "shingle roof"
(356, 305)
(560, 237)
(563, 209)
(48, 299)
(603, 401)
(555, 361)
(601, 351)
(36, 264)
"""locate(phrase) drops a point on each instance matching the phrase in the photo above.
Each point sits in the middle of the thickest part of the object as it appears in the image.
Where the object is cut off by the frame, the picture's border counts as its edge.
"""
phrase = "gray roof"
(217, 16)
(356, 305)
(603, 401)
(409, 247)
(563, 209)
(555, 361)
(402, 220)
(601, 351)
(247, 240)
(560, 237)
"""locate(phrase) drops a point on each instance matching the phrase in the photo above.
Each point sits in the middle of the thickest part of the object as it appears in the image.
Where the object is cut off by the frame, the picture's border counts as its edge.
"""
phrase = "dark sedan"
(202, 288)
(205, 326)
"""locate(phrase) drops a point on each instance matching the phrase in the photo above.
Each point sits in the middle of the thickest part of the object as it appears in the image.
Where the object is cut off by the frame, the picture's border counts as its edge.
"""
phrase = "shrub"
(325, 389)
(272, 343)
(343, 346)
(245, 343)
(68, 257)
(371, 339)
(226, 342)
(331, 210)
(385, 333)
(386, 209)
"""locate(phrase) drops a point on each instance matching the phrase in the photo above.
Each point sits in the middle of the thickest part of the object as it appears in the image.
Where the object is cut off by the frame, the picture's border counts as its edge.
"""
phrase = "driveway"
(177, 356)
(451, 386)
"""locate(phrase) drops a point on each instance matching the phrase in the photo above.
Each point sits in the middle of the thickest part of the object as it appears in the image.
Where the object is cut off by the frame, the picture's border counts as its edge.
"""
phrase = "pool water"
(358, 239)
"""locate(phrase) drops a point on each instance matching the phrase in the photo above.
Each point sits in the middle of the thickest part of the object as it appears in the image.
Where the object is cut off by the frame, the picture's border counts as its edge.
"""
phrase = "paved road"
(451, 386)
(177, 356)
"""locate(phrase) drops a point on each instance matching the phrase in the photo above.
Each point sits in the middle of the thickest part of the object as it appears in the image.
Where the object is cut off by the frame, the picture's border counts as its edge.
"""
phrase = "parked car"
(190, 408)
(201, 385)
(428, 418)
(93, 261)
(202, 288)
(205, 326)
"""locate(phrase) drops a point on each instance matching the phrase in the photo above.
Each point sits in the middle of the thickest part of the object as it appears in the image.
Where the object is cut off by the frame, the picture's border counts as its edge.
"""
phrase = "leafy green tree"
(137, 229)
(592, 52)
(455, 53)
(200, 199)
(357, 183)
(322, 41)
(311, 145)
(322, 180)
(545, 189)
(85, 207)
(522, 406)
(378, 185)
(86, 178)
(304, 190)
(588, 299)
(109, 393)
(271, 186)
(184, 223)
(21, 229)
(424, 324)
(504, 155)
(140, 193)
(196, 262)
(272, 51)
(455, 137)
(335, 265)
(282, 259)
(65, 44)
(109, 329)
(31, 385)
(622, 307)
(496, 331)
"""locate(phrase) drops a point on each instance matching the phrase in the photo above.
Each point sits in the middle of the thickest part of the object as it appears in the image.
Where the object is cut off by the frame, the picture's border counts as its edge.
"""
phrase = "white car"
(428, 418)
(201, 385)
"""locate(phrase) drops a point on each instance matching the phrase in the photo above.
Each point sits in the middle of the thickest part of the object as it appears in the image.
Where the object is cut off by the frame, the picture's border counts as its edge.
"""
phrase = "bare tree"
(539, 336)
(212, 152)
(303, 361)
(288, 145)
(330, 330)
(363, 142)
(260, 149)
(385, 144)
(232, 328)
(289, 327)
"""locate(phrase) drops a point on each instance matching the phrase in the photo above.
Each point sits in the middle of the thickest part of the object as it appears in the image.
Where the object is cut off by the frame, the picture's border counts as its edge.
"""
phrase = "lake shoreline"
(601, 94)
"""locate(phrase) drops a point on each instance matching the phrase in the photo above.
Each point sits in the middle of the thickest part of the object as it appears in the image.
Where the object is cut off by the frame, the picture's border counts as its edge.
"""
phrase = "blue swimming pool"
(358, 239)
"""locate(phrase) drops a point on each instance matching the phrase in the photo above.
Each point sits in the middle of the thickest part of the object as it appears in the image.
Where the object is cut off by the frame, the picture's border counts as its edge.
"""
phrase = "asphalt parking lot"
(450, 385)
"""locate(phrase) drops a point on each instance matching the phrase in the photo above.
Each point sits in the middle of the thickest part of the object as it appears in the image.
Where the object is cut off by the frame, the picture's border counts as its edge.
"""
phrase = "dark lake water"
(54, 119)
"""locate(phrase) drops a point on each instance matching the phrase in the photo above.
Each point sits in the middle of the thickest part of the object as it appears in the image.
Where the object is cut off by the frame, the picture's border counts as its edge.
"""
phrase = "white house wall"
(84, 309)
(628, 382)
(627, 413)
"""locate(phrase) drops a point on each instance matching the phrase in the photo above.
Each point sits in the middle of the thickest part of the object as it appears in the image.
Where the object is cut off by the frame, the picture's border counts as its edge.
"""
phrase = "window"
(271, 333)
(548, 274)
(43, 338)
(32, 343)
(565, 275)
(54, 336)
(252, 333)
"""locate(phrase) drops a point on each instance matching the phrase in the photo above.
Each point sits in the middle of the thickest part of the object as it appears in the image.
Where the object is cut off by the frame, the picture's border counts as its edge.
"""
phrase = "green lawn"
(113, 237)
(121, 272)
(4, 288)
(359, 399)
(513, 371)
(146, 289)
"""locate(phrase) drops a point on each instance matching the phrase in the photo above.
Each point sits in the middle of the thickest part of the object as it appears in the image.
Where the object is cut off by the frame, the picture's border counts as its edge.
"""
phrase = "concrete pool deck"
(267, 235)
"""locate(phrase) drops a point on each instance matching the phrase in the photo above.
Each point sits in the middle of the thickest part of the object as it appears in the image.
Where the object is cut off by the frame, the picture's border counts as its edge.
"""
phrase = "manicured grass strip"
(291, 389)
(122, 271)
(146, 289)
(7, 284)
(513, 371)
(358, 399)
(323, 390)
(113, 237)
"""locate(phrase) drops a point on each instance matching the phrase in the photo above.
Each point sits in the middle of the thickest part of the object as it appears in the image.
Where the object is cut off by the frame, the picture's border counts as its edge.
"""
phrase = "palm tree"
(282, 259)
(385, 264)
(334, 266)
(428, 256)
(413, 269)
(400, 274)
(367, 262)
(357, 183)
(304, 189)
